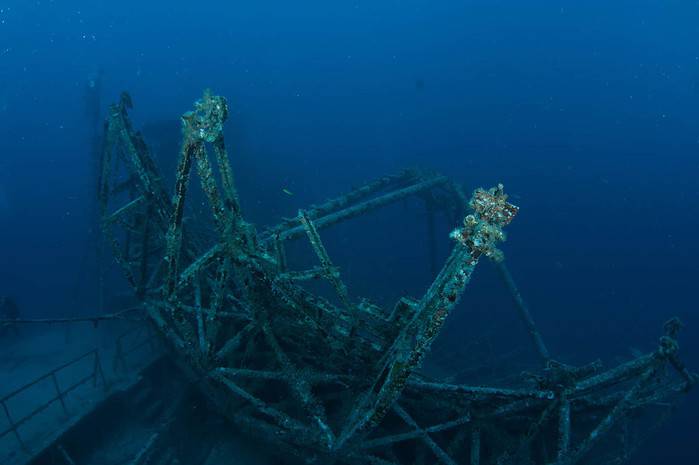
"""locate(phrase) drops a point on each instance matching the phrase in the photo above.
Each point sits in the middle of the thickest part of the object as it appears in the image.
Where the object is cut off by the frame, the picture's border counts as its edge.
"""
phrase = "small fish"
(287, 191)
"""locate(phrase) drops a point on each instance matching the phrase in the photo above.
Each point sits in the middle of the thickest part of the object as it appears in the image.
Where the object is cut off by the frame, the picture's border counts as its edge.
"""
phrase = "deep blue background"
(588, 112)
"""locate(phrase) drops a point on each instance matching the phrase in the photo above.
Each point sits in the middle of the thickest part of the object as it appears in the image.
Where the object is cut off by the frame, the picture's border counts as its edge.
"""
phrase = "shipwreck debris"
(341, 383)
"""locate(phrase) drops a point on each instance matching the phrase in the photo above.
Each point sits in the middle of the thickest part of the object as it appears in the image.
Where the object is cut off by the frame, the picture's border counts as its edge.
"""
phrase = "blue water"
(588, 112)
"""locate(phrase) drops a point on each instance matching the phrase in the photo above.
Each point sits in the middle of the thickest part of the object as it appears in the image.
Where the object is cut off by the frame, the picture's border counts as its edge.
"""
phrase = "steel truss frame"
(340, 383)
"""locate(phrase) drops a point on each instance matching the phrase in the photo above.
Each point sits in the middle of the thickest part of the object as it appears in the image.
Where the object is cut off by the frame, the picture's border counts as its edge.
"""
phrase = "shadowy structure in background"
(90, 275)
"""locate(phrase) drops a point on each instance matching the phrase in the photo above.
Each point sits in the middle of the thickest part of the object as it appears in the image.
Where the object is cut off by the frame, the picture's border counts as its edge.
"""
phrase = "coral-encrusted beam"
(481, 231)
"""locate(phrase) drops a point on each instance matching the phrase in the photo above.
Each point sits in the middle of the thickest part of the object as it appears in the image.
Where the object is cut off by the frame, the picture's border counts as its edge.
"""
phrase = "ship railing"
(127, 345)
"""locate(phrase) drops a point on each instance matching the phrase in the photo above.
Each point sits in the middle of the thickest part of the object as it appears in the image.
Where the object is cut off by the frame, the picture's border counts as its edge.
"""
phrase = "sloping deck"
(51, 380)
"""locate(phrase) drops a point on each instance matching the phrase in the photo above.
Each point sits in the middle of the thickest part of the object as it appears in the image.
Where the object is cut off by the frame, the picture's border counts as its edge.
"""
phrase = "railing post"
(13, 425)
(58, 392)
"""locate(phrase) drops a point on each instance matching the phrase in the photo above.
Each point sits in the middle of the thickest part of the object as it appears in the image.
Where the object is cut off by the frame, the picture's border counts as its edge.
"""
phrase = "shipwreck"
(339, 381)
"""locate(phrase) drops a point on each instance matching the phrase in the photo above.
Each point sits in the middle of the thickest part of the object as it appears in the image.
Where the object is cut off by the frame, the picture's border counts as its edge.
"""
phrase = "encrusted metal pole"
(342, 202)
(366, 206)
(481, 232)
(619, 410)
(329, 271)
(563, 428)
(522, 309)
(653, 364)
(174, 233)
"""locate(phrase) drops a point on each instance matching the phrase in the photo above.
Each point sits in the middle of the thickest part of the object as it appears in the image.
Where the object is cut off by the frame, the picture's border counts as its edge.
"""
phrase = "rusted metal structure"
(340, 382)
